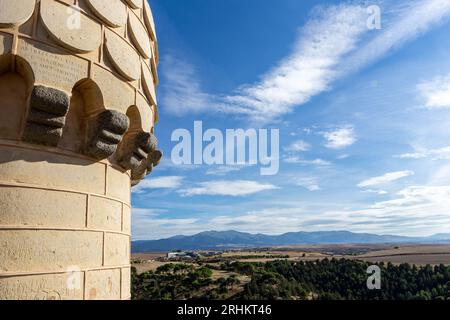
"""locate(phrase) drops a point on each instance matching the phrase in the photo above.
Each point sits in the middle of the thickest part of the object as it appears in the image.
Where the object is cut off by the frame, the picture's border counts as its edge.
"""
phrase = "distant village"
(191, 255)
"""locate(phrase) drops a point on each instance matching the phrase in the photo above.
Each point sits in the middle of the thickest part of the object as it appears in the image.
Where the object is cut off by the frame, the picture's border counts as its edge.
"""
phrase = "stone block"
(117, 249)
(29, 207)
(105, 214)
(48, 170)
(43, 287)
(126, 283)
(126, 219)
(48, 250)
(118, 185)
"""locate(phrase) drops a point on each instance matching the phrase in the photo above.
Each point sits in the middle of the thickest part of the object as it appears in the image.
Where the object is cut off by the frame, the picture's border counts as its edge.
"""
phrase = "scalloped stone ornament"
(149, 21)
(15, 12)
(148, 84)
(135, 4)
(81, 36)
(124, 58)
(139, 36)
(112, 12)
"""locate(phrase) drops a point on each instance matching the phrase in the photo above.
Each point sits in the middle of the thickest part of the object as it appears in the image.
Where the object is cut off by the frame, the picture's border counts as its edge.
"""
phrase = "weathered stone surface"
(117, 95)
(126, 283)
(39, 207)
(146, 113)
(46, 117)
(5, 43)
(50, 100)
(14, 104)
(15, 12)
(105, 214)
(139, 173)
(149, 21)
(139, 36)
(80, 36)
(112, 12)
(49, 250)
(49, 170)
(135, 4)
(104, 133)
(122, 55)
(103, 284)
(43, 287)
(153, 160)
(148, 83)
(117, 249)
(126, 219)
(146, 167)
(51, 67)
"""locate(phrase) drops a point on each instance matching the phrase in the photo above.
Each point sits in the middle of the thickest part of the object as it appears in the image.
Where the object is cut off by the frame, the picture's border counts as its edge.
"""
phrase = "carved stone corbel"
(133, 150)
(46, 116)
(104, 133)
(146, 167)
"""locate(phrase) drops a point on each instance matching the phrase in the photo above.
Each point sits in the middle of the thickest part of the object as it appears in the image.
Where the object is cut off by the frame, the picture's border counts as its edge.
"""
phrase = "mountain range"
(217, 240)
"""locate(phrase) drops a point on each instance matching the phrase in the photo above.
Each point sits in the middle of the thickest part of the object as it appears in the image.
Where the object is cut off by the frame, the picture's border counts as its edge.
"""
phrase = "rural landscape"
(409, 271)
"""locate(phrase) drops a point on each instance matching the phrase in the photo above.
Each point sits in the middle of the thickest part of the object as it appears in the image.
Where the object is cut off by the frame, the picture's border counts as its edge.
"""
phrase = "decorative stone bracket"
(46, 116)
(104, 133)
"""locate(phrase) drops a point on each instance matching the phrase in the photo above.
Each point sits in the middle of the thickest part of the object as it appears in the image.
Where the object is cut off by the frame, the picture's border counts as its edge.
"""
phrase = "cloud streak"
(434, 154)
(168, 182)
(327, 37)
(436, 92)
(340, 138)
(234, 188)
(183, 93)
(386, 178)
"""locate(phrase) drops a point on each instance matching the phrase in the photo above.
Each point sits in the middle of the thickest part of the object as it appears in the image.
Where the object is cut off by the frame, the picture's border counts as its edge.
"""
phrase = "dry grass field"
(412, 254)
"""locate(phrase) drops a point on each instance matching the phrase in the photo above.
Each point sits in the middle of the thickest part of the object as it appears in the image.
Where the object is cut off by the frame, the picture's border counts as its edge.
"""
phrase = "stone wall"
(77, 114)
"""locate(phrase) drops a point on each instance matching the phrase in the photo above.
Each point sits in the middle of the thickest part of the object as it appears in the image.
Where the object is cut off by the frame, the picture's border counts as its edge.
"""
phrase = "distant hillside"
(214, 240)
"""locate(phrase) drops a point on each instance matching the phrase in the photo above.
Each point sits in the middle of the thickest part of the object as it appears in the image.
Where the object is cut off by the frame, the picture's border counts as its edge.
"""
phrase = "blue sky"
(363, 114)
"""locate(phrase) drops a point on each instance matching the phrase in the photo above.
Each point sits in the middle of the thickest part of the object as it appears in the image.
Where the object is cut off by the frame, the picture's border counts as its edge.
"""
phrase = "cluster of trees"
(180, 281)
(326, 279)
(342, 279)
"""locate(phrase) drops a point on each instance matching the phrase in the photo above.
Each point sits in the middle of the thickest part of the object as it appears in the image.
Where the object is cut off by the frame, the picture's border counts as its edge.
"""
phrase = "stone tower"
(77, 111)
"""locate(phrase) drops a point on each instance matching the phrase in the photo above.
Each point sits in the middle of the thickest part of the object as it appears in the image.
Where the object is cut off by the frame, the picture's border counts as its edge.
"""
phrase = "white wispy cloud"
(340, 138)
(334, 42)
(298, 146)
(168, 182)
(150, 224)
(316, 162)
(436, 92)
(309, 183)
(434, 154)
(232, 188)
(386, 178)
(182, 90)
(329, 35)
